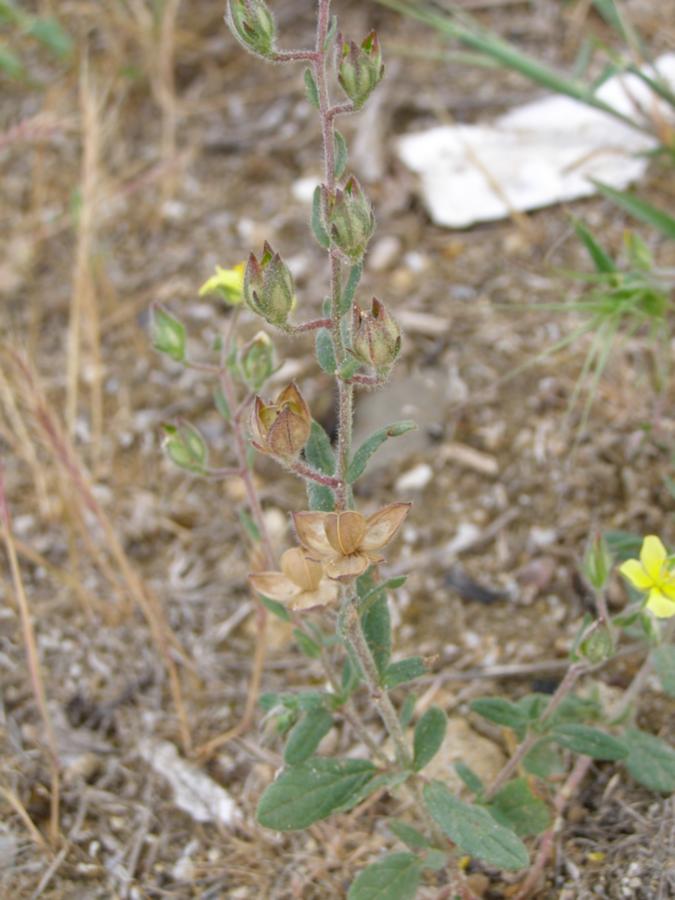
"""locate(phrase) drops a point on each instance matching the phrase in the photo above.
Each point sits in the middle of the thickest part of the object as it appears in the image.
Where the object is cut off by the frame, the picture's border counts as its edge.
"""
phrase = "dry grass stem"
(33, 661)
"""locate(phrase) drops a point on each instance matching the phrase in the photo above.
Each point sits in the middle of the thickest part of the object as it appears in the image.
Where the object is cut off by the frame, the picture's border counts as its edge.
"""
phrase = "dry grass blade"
(83, 308)
(78, 481)
(33, 660)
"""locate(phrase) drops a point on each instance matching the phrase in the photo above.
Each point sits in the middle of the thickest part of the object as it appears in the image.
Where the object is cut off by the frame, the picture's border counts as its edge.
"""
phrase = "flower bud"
(268, 287)
(377, 336)
(281, 428)
(168, 334)
(360, 68)
(256, 361)
(252, 24)
(598, 646)
(598, 562)
(185, 447)
(351, 220)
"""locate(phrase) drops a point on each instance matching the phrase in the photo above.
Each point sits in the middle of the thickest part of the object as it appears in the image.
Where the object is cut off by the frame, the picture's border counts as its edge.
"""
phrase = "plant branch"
(564, 688)
(357, 642)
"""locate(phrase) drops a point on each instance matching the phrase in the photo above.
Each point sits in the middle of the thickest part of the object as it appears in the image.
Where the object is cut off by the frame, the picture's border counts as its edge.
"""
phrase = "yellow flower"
(346, 543)
(300, 584)
(227, 283)
(653, 574)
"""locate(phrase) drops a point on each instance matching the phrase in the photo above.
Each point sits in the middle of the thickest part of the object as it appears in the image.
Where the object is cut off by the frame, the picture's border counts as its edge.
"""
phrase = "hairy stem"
(358, 644)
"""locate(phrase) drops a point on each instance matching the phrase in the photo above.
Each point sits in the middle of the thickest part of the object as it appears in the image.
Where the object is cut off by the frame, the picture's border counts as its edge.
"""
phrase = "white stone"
(415, 479)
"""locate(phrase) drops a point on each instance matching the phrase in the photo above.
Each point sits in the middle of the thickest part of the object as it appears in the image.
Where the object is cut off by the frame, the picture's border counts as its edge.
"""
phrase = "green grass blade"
(640, 209)
(602, 261)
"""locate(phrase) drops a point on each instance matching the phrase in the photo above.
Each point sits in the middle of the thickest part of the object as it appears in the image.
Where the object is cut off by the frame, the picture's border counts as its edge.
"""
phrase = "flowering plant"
(332, 573)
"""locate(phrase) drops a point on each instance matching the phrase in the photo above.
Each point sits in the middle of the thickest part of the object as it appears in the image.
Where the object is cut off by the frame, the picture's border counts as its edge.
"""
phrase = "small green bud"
(185, 447)
(360, 68)
(598, 562)
(256, 361)
(377, 337)
(598, 646)
(351, 220)
(268, 287)
(168, 333)
(252, 23)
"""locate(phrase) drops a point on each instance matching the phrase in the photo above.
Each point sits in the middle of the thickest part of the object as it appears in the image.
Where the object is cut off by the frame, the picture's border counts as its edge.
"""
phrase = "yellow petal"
(344, 568)
(635, 573)
(662, 607)
(227, 283)
(309, 527)
(345, 531)
(274, 585)
(652, 556)
(383, 525)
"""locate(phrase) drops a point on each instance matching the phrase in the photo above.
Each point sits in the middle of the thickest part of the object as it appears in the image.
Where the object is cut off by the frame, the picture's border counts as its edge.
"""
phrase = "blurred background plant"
(627, 295)
(18, 29)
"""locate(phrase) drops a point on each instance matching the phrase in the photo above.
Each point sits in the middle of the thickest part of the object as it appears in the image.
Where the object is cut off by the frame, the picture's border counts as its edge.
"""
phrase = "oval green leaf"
(589, 741)
(396, 877)
(307, 793)
(474, 830)
(429, 735)
(306, 735)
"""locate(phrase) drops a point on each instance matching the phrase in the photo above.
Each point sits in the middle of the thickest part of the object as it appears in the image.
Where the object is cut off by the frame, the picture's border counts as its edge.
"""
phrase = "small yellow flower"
(655, 575)
(228, 284)
(347, 543)
(300, 584)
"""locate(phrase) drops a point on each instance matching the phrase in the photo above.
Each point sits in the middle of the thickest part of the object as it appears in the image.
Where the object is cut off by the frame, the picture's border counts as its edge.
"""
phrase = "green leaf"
(589, 741)
(49, 32)
(353, 279)
(410, 836)
(249, 526)
(360, 460)
(650, 761)
(434, 859)
(639, 209)
(429, 736)
(221, 404)
(307, 793)
(10, 64)
(601, 260)
(325, 353)
(311, 89)
(576, 709)
(544, 760)
(469, 777)
(369, 592)
(330, 34)
(516, 807)
(407, 710)
(387, 781)
(663, 660)
(319, 451)
(396, 877)
(168, 334)
(306, 735)
(277, 609)
(376, 624)
(319, 497)
(474, 830)
(623, 545)
(318, 230)
(402, 671)
(307, 646)
(503, 712)
(341, 155)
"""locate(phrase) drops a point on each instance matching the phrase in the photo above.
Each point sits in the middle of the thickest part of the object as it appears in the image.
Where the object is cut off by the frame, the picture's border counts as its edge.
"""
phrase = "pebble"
(415, 479)
(384, 253)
